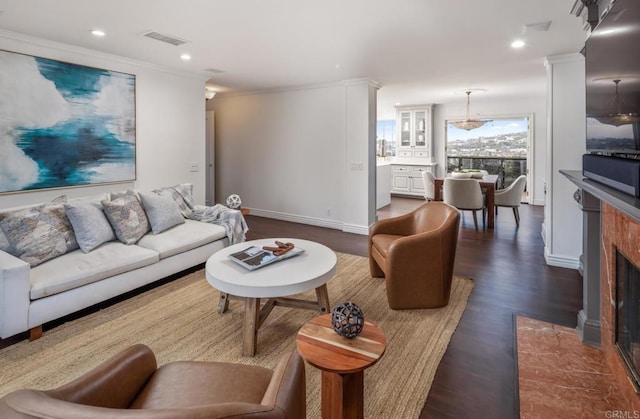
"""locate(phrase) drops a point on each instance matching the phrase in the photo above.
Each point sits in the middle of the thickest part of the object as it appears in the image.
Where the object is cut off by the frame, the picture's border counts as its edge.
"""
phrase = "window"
(386, 138)
(501, 147)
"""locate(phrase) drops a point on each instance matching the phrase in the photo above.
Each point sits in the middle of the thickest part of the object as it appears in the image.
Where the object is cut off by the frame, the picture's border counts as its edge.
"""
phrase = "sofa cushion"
(162, 212)
(76, 269)
(382, 242)
(39, 233)
(182, 237)
(126, 216)
(90, 225)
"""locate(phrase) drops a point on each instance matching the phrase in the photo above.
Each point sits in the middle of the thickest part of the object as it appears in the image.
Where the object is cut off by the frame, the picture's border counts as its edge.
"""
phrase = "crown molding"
(59, 46)
(341, 83)
(573, 57)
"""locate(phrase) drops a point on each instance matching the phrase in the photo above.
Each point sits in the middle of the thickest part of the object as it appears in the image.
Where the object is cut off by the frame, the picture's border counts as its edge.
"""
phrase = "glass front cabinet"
(415, 131)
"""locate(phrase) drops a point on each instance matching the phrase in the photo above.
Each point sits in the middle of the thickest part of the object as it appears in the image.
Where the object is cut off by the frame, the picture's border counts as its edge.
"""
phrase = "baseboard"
(320, 222)
(539, 202)
(356, 229)
(561, 261)
(588, 330)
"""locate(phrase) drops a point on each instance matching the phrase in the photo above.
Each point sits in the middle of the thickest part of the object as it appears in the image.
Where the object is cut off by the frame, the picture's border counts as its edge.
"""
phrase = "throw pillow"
(39, 233)
(5, 246)
(182, 194)
(115, 195)
(90, 225)
(162, 211)
(126, 216)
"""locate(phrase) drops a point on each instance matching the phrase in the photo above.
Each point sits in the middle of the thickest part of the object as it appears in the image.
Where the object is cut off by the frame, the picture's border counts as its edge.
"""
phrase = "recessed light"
(97, 32)
(185, 57)
(518, 43)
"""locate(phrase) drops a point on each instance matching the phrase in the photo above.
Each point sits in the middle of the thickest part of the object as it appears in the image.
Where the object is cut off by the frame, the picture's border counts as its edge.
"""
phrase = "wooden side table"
(342, 362)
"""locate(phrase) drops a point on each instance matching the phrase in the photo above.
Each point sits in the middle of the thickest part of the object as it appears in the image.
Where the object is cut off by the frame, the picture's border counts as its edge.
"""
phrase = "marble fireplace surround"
(620, 232)
(614, 226)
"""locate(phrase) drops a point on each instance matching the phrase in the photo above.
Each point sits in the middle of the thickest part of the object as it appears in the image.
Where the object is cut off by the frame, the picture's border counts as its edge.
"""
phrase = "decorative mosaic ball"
(233, 201)
(347, 319)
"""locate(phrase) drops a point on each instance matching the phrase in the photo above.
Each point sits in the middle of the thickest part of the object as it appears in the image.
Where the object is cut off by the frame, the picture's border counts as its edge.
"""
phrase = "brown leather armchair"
(415, 253)
(129, 385)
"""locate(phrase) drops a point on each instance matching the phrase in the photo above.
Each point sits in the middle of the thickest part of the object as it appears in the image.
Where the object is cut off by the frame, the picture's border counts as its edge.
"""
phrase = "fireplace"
(615, 237)
(627, 323)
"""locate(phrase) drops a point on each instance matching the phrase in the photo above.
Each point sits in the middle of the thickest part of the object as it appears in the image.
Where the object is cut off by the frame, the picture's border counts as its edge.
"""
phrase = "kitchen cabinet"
(415, 132)
(406, 179)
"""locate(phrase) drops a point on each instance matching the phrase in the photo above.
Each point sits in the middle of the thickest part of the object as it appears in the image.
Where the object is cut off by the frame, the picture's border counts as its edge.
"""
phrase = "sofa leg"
(35, 333)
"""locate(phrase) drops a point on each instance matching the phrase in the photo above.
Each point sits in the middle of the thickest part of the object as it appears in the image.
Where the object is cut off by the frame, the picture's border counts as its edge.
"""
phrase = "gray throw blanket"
(232, 220)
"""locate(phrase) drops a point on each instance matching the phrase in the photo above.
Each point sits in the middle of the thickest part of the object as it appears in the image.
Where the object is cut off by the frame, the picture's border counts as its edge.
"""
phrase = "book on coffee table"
(254, 257)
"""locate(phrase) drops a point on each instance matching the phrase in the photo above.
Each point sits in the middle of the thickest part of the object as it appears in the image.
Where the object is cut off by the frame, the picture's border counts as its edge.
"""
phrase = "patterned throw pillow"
(162, 211)
(5, 246)
(39, 233)
(90, 225)
(126, 216)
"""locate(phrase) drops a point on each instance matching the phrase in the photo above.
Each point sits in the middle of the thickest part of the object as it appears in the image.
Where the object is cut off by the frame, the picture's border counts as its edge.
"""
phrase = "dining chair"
(465, 195)
(511, 196)
(429, 187)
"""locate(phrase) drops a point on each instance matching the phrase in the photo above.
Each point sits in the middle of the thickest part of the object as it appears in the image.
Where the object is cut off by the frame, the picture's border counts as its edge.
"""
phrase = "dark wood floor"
(477, 376)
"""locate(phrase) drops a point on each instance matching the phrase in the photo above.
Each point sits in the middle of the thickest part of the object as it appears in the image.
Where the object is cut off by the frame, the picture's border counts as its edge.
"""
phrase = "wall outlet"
(195, 167)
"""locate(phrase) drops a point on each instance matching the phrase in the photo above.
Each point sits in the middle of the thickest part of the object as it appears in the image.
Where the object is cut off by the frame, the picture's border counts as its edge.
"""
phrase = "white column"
(360, 155)
(566, 143)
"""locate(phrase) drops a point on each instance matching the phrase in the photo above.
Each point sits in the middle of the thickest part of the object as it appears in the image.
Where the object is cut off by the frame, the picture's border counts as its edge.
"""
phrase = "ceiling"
(420, 51)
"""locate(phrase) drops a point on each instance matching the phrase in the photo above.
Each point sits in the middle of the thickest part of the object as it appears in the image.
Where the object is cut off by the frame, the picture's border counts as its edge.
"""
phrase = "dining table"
(488, 183)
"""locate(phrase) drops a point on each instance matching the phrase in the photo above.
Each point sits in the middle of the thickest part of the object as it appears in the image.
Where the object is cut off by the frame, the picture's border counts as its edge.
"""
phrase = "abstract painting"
(64, 124)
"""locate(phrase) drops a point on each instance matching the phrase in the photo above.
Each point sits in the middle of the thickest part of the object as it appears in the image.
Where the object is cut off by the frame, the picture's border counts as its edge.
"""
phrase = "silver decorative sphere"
(233, 201)
(347, 319)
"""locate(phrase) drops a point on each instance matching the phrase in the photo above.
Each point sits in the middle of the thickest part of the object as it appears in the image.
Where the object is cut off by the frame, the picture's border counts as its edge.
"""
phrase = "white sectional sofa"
(31, 296)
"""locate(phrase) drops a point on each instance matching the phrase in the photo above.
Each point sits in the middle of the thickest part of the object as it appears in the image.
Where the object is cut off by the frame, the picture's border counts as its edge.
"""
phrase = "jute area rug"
(179, 321)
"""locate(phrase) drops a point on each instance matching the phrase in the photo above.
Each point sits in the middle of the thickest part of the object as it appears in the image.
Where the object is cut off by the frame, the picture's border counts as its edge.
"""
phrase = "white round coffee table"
(309, 270)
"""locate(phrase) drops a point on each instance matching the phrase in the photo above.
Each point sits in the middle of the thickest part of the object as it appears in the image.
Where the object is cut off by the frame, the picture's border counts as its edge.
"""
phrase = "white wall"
(170, 121)
(290, 154)
(531, 106)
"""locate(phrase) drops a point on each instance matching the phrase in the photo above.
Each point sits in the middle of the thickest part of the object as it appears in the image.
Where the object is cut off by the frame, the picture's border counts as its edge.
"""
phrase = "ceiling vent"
(165, 38)
(213, 70)
(536, 27)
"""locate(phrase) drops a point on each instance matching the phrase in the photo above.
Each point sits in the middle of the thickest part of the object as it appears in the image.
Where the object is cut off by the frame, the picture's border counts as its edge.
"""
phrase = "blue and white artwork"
(64, 124)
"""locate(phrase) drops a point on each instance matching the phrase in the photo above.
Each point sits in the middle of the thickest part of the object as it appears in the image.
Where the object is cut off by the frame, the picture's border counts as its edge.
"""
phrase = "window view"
(386, 138)
(499, 147)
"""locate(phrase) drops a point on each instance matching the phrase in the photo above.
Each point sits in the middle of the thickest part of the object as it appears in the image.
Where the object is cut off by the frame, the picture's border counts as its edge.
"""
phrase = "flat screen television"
(612, 64)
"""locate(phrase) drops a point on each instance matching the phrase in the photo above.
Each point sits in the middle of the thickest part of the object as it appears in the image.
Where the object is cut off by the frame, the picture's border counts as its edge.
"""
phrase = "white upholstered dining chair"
(465, 195)
(429, 187)
(511, 196)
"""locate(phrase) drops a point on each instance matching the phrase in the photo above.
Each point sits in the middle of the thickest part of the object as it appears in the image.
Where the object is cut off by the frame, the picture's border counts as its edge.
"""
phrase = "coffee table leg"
(223, 303)
(323, 298)
(250, 329)
(342, 395)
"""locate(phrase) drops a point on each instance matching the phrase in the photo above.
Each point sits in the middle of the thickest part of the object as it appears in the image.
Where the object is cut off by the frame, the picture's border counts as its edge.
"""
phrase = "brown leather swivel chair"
(129, 385)
(415, 253)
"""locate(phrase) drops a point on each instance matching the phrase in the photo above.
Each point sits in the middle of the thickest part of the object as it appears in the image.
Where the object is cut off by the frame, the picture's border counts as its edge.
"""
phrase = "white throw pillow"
(162, 211)
(90, 225)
